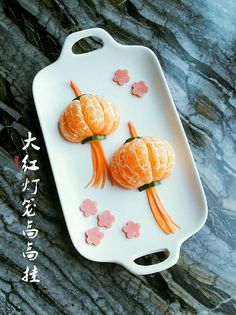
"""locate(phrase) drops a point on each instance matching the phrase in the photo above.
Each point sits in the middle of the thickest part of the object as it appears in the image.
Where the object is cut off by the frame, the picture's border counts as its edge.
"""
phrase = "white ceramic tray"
(155, 115)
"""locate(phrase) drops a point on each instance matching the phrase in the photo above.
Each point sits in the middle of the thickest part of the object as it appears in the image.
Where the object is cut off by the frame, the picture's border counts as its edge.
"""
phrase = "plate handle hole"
(87, 44)
(153, 258)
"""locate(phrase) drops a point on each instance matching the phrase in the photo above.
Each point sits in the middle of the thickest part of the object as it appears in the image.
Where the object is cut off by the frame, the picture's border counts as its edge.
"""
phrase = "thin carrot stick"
(103, 155)
(99, 176)
(162, 215)
(158, 218)
(103, 163)
(75, 88)
(132, 130)
(162, 209)
(94, 160)
(101, 167)
(97, 167)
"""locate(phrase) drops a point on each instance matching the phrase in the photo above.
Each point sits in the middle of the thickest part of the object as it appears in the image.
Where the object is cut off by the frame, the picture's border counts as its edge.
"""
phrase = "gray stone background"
(195, 42)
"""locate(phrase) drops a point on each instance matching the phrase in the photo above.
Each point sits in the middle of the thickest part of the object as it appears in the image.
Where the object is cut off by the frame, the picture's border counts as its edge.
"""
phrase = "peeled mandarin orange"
(142, 162)
(90, 116)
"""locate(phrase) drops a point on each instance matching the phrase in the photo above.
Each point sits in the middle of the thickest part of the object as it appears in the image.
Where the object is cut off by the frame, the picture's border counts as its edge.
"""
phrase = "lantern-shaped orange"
(90, 118)
(143, 162)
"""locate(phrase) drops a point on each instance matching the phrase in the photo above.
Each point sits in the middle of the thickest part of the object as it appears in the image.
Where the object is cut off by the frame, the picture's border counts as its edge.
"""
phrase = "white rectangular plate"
(153, 115)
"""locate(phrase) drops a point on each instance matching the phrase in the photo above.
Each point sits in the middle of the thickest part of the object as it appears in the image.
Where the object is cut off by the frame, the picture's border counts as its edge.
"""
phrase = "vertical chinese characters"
(29, 190)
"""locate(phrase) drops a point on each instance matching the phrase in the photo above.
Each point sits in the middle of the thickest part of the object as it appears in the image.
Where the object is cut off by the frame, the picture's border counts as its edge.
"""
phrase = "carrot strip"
(75, 88)
(164, 218)
(103, 166)
(155, 213)
(162, 209)
(132, 129)
(97, 167)
(162, 212)
(94, 160)
(159, 214)
(99, 170)
(103, 155)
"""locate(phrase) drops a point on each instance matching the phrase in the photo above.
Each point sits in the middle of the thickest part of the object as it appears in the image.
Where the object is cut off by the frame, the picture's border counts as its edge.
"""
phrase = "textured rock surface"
(195, 43)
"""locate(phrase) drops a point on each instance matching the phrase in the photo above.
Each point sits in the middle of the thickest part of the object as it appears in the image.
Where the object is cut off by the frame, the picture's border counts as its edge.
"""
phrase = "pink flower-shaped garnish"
(106, 219)
(94, 236)
(131, 229)
(88, 207)
(139, 88)
(121, 76)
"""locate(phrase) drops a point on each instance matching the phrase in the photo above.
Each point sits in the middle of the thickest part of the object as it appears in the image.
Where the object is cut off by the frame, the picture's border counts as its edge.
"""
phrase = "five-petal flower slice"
(106, 219)
(89, 207)
(94, 236)
(131, 229)
(121, 76)
(139, 88)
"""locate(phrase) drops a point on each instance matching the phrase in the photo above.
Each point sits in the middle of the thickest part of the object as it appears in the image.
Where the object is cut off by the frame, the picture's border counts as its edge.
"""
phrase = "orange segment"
(116, 174)
(65, 131)
(92, 113)
(76, 121)
(133, 163)
(157, 156)
(125, 170)
(171, 160)
(111, 115)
